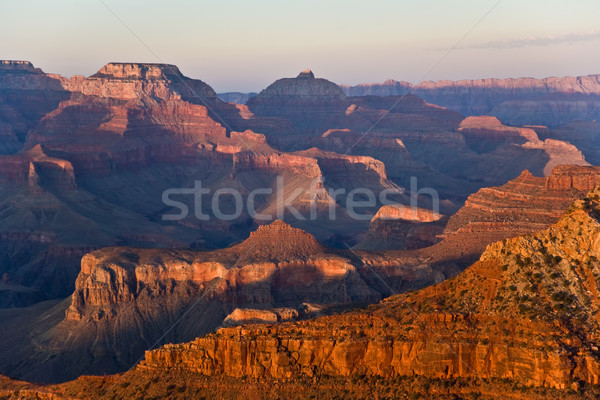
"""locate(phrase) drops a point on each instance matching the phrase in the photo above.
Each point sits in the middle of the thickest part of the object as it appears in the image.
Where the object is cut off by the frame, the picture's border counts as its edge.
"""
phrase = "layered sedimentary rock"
(129, 81)
(117, 141)
(569, 177)
(26, 95)
(314, 105)
(487, 133)
(549, 101)
(403, 227)
(246, 316)
(125, 298)
(412, 214)
(479, 324)
(523, 205)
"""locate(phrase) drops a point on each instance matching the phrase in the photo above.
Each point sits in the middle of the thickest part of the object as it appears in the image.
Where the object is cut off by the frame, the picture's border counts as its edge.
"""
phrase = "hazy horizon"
(239, 46)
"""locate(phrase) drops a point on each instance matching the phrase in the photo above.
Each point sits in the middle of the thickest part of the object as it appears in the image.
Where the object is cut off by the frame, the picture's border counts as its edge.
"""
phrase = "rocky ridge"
(520, 101)
(479, 324)
(278, 271)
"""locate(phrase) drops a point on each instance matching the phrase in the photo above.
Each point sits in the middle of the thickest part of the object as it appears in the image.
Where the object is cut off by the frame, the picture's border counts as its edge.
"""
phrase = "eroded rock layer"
(526, 311)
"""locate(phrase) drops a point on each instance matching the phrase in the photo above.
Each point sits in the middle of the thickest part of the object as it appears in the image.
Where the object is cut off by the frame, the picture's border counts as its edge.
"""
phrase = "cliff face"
(26, 95)
(523, 205)
(125, 298)
(480, 323)
(521, 101)
(128, 81)
(569, 177)
(583, 134)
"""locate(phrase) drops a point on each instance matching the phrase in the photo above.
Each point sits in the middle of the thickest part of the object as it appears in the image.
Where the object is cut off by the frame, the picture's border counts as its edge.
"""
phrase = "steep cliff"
(26, 95)
(403, 227)
(126, 298)
(523, 205)
(525, 312)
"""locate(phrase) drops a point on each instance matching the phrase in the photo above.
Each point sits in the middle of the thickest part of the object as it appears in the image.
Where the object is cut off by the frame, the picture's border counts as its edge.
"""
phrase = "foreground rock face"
(479, 324)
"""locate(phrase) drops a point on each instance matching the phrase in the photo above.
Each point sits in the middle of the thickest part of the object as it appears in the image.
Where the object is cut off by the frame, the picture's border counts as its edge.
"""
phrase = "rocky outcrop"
(487, 133)
(26, 95)
(523, 205)
(405, 213)
(125, 297)
(304, 86)
(401, 227)
(277, 162)
(583, 134)
(308, 103)
(246, 316)
(539, 286)
(569, 177)
(280, 241)
(33, 165)
(129, 81)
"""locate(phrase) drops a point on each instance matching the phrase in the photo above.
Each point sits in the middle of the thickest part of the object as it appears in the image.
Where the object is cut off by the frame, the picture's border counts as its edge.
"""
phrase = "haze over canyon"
(391, 240)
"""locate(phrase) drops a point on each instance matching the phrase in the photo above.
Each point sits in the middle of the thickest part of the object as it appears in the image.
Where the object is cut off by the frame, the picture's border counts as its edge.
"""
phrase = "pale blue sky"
(245, 45)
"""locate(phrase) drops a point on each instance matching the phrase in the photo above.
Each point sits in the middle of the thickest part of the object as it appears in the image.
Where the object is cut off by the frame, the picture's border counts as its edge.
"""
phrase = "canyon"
(474, 264)
(124, 297)
(525, 313)
(469, 329)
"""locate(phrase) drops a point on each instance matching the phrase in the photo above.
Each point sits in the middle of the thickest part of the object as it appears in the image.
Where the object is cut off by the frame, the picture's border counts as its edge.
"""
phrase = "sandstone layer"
(526, 311)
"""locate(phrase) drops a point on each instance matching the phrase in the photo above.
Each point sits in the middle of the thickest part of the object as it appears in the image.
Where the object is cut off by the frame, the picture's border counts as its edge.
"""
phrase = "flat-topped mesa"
(280, 241)
(567, 177)
(490, 128)
(129, 81)
(401, 212)
(18, 66)
(23, 76)
(136, 71)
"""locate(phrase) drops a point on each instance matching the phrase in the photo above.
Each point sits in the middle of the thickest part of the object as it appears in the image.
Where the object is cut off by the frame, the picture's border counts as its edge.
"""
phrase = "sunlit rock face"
(540, 285)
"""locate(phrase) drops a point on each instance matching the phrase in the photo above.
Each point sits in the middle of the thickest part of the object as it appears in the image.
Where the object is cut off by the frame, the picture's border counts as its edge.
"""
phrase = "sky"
(241, 45)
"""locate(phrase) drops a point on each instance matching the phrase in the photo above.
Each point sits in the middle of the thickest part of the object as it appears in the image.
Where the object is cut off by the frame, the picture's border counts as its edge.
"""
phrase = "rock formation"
(403, 227)
(479, 324)
(524, 205)
(519, 101)
(124, 297)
